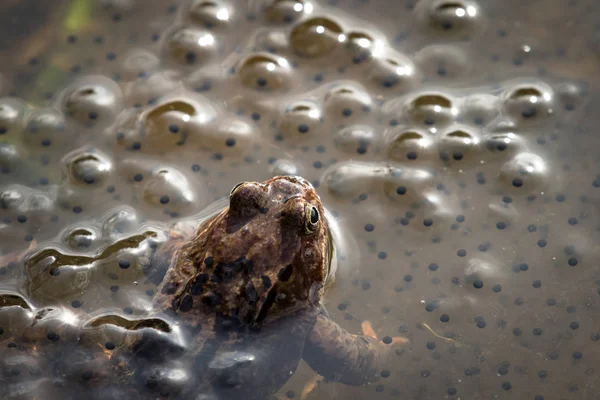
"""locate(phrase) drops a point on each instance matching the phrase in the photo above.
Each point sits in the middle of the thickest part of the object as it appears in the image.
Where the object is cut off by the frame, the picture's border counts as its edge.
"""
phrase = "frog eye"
(312, 219)
(236, 187)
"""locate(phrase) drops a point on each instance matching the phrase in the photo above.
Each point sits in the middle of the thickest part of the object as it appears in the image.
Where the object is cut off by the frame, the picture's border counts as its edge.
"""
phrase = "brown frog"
(241, 302)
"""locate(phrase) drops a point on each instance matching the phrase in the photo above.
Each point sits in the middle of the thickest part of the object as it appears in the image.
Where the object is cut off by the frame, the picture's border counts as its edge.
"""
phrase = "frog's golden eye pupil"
(314, 216)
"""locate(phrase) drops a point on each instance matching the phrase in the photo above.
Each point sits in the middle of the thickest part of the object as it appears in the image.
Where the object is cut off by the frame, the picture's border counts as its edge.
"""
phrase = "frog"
(239, 303)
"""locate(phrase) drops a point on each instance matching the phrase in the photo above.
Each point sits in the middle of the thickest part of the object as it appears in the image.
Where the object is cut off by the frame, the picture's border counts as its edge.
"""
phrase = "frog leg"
(341, 356)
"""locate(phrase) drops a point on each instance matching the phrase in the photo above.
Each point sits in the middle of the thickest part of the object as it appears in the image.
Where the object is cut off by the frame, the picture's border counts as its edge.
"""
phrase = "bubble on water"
(392, 71)
(409, 144)
(459, 143)
(300, 120)
(266, 72)
(345, 103)
(450, 18)
(443, 62)
(190, 46)
(92, 101)
(87, 167)
(12, 111)
(356, 139)
(210, 13)
(286, 11)
(316, 37)
(138, 63)
(526, 172)
(167, 187)
(285, 167)
(79, 238)
(44, 127)
(528, 102)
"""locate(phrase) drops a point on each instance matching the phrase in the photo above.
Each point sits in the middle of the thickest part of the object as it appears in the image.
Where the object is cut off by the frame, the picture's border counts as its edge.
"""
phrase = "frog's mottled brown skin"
(243, 298)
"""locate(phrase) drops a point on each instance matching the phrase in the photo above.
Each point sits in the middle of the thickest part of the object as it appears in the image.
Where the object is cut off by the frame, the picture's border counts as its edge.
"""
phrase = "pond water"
(454, 144)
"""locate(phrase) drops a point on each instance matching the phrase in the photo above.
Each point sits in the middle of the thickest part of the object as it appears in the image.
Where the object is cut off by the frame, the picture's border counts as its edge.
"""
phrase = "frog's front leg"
(341, 356)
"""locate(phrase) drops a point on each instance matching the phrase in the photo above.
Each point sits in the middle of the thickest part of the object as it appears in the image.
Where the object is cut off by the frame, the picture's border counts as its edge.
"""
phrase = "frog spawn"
(497, 130)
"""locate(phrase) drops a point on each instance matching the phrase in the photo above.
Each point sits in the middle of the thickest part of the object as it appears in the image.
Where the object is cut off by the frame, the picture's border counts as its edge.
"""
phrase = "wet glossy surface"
(453, 142)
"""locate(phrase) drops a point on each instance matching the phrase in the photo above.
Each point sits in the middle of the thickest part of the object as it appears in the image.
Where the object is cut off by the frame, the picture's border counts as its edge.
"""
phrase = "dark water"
(456, 144)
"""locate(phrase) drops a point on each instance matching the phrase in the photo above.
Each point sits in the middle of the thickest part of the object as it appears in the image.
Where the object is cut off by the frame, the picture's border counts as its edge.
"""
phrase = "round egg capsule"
(503, 140)
(138, 63)
(92, 101)
(356, 139)
(408, 187)
(450, 18)
(79, 238)
(443, 62)
(274, 42)
(409, 145)
(361, 46)
(119, 221)
(346, 103)
(174, 122)
(286, 11)
(571, 96)
(212, 14)
(479, 109)
(146, 90)
(528, 103)
(10, 157)
(285, 167)
(266, 72)
(11, 198)
(168, 188)
(316, 37)
(12, 112)
(526, 173)
(431, 109)
(87, 167)
(345, 181)
(458, 144)
(44, 128)
(190, 46)
(392, 71)
(228, 136)
(300, 120)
